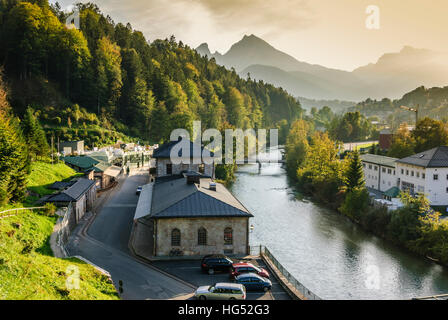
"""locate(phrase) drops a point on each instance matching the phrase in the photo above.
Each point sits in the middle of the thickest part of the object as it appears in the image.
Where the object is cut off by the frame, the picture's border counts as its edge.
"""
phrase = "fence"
(262, 250)
(15, 211)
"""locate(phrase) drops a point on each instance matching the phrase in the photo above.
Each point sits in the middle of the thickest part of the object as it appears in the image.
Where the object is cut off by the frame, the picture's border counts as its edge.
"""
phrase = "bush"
(50, 209)
(356, 203)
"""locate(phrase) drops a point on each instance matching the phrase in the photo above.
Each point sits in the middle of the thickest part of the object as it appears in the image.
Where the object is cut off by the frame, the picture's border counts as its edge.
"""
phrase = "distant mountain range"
(391, 76)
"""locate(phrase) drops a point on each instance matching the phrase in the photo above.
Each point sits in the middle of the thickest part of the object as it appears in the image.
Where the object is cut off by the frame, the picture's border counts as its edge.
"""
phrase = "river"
(325, 251)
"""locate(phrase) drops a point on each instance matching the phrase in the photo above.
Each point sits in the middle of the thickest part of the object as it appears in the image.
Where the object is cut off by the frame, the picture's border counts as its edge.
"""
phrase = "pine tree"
(34, 135)
(354, 177)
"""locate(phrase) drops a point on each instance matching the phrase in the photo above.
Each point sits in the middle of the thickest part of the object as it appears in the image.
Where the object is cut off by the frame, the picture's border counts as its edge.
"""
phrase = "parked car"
(221, 291)
(240, 268)
(253, 282)
(139, 190)
(216, 262)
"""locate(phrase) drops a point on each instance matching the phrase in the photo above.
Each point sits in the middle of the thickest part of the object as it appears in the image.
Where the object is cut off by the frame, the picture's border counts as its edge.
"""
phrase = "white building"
(425, 172)
(379, 172)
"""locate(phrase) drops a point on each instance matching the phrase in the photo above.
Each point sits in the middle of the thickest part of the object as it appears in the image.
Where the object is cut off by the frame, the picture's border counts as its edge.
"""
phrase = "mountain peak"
(204, 50)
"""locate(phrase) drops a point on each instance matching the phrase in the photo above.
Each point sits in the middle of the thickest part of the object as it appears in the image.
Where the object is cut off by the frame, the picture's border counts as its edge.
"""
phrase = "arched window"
(175, 238)
(202, 237)
(228, 236)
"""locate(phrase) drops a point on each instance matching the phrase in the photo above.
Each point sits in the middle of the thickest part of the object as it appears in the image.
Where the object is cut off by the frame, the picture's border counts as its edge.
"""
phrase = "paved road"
(106, 244)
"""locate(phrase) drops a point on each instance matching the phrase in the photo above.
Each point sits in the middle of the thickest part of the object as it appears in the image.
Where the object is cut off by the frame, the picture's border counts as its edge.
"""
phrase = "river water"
(326, 252)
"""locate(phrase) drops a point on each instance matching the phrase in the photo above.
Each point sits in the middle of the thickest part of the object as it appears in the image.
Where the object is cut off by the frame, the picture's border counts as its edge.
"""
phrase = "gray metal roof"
(379, 160)
(433, 158)
(177, 199)
(144, 202)
(73, 193)
(164, 151)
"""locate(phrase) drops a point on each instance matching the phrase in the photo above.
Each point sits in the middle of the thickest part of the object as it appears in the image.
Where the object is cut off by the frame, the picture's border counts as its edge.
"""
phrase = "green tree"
(429, 133)
(354, 176)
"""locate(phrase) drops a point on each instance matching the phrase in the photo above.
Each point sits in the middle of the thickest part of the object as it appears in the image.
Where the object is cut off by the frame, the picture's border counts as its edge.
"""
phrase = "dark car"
(253, 282)
(216, 263)
(240, 268)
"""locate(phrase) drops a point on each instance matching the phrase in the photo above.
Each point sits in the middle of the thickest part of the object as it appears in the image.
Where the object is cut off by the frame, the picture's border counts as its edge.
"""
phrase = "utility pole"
(412, 110)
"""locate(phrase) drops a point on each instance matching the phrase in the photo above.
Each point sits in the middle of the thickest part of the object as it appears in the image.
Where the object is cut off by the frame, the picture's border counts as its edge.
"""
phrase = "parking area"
(190, 271)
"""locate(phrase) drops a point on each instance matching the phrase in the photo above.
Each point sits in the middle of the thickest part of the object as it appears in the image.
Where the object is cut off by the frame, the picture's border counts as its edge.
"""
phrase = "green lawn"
(29, 271)
(43, 174)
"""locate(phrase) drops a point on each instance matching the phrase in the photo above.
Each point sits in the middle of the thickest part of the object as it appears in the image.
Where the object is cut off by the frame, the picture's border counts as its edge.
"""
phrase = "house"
(80, 195)
(80, 163)
(71, 147)
(103, 172)
(190, 213)
(379, 171)
(425, 172)
(165, 167)
(385, 139)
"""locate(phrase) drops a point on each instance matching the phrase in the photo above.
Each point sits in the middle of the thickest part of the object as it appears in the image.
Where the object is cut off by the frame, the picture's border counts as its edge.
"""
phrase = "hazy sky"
(332, 33)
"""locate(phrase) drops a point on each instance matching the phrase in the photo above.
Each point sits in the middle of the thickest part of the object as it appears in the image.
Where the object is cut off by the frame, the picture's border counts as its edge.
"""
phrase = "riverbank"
(324, 250)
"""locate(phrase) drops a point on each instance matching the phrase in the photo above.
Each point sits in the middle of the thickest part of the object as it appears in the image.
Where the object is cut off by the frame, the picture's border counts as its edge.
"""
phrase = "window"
(418, 175)
(175, 238)
(370, 166)
(423, 176)
(384, 170)
(202, 237)
(389, 171)
(228, 236)
(412, 173)
(402, 171)
(169, 168)
(436, 177)
(446, 190)
(201, 168)
(407, 172)
(376, 168)
(364, 165)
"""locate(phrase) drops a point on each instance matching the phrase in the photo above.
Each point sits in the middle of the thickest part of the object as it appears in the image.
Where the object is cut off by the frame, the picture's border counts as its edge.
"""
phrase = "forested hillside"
(106, 80)
(431, 102)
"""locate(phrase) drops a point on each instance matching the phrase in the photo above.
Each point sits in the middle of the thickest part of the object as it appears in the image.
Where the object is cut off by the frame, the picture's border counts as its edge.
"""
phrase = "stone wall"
(215, 235)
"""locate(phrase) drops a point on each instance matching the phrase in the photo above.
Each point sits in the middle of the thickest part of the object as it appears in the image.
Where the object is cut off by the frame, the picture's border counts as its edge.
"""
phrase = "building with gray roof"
(193, 214)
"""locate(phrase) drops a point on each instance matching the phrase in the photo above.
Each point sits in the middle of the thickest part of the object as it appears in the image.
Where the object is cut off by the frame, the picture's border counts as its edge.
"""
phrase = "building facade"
(425, 172)
(166, 167)
(191, 214)
(379, 172)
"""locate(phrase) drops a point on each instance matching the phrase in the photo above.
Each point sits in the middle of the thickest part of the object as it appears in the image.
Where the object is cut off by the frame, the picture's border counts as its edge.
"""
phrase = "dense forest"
(106, 80)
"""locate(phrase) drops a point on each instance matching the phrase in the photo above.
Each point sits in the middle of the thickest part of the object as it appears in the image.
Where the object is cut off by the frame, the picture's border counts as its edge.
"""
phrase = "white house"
(379, 172)
(425, 172)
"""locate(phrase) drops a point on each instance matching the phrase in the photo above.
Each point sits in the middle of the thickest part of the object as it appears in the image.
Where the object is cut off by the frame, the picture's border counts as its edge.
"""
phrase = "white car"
(221, 291)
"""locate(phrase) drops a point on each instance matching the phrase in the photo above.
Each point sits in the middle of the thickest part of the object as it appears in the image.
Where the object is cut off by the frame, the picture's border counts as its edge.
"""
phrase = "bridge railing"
(262, 250)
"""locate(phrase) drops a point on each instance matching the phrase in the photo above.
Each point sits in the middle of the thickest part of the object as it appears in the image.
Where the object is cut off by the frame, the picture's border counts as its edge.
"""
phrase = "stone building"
(165, 167)
(80, 195)
(190, 213)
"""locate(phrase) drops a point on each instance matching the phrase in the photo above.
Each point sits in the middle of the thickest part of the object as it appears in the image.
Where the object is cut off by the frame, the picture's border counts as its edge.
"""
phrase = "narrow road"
(104, 241)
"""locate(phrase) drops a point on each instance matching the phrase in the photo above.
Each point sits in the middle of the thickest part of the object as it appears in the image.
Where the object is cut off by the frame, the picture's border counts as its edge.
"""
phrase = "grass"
(29, 271)
(44, 174)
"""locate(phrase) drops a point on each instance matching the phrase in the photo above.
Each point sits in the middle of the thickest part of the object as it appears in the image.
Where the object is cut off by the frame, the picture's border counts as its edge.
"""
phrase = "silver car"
(221, 291)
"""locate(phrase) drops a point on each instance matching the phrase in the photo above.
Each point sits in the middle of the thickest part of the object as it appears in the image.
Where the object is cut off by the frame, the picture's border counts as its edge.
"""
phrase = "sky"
(331, 33)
